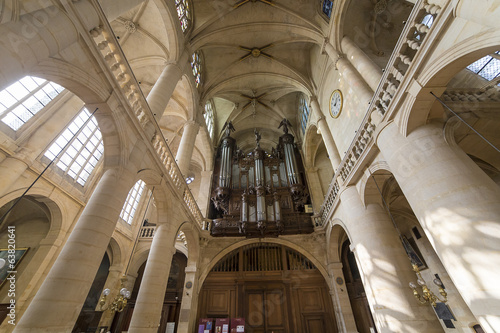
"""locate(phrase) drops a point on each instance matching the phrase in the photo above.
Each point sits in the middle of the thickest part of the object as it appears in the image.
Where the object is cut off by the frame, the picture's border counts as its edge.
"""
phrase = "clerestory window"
(184, 14)
(130, 207)
(20, 101)
(209, 117)
(303, 113)
(196, 67)
(83, 147)
(487, 67)
(327, 7)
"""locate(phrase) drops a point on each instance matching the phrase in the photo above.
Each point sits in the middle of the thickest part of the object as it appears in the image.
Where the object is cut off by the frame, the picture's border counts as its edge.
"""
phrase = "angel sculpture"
(257, 137)
(228, 128)
(285, 123)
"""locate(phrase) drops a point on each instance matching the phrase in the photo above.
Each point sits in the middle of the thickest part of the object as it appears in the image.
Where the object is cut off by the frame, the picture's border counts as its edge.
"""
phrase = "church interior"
(300, 166)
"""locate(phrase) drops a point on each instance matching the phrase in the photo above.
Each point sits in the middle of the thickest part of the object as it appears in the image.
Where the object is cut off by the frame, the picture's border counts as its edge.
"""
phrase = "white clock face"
(336, 103)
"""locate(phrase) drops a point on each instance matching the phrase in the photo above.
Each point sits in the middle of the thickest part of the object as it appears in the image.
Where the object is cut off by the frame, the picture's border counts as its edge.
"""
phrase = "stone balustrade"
(119, 71)
(406, 50)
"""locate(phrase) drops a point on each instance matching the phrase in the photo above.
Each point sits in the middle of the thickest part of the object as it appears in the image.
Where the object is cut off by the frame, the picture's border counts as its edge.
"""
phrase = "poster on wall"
(237, 325)
(10, 262)
(222, 325)
(207, 324)
(170, 327)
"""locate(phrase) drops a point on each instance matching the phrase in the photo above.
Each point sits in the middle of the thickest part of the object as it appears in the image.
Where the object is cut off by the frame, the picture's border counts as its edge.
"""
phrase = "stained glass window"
(134, 195)
(303, 113)
(196, 66)
(184, 13)
(487, 67)
(209, 117)
(327, 7)
(84, 151)
(22, 100)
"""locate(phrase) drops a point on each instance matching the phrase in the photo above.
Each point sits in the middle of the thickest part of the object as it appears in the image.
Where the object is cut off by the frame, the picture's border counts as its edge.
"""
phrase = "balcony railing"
(406, 51)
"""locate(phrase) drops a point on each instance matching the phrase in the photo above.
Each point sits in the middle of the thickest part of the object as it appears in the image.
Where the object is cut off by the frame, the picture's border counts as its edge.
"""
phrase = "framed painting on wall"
(4, 254)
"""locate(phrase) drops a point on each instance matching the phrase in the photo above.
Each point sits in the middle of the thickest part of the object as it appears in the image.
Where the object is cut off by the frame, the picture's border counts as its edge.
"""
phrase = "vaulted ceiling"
(257, 59)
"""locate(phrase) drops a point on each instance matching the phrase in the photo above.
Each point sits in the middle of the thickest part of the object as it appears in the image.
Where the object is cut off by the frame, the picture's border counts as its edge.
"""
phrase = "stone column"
(385, 269)
(340, 297)
(314, 182)
(350, 75)
(11, 169)
(458, 206)
(326, 134)
(186, 146)
(204, 191)
(160, 94)
(189, 305)
(57, 304)
(149, 304)
(370, 72)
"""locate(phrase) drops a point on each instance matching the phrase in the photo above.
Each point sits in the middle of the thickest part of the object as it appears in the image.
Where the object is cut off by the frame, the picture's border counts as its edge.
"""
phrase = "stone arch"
(369, 193)
(312, 142)
(336, 235)
(192, 232)
(206, 269)
(114, 252)
(440, 70)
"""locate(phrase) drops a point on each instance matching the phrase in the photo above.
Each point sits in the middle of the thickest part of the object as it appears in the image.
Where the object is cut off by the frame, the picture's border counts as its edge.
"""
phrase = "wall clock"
(336, 103)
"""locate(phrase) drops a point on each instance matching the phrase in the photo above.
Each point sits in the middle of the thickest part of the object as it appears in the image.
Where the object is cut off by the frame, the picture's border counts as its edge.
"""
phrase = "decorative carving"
(220, 198)
(130, 26)
(287, 139)
(262, 226)
(280, 226)
(299, 194)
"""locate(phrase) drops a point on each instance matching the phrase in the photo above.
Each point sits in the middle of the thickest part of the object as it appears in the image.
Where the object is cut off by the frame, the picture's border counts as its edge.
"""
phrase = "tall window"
(23, 99)
(184, 13)
(303, 113)
(85, 148)
(327, 7)
(487, 67)
(134, 195)
(196, 66)
(209, 117)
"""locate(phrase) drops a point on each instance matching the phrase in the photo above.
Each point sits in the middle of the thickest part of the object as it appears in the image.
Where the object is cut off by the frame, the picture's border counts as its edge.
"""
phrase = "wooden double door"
(266, 310)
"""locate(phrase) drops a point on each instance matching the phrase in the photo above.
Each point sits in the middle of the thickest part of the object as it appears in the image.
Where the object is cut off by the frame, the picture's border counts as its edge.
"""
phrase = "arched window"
(303, 113)
(326, 7)
(196, 66)
(84, 150)
(487, 67)
(22, 100)
(134, 195)
(184, 13)
(209, 117)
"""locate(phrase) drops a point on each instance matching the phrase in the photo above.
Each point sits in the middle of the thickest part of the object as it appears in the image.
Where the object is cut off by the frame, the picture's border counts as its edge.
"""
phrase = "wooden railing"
(119, 71)
(404, 54)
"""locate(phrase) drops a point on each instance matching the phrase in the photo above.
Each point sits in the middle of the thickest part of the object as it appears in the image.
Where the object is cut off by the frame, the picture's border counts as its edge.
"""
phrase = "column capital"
(191, 123)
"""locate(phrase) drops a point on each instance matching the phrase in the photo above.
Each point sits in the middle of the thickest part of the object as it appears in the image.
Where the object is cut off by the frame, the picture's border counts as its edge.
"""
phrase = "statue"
(228, 127)
(285, 123)
(257, 137)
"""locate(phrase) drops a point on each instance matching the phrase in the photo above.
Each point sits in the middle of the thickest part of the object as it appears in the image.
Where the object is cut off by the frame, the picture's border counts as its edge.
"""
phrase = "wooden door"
(265, 311)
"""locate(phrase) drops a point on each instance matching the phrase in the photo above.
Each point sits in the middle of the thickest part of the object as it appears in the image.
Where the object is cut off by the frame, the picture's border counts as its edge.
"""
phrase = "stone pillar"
(11, 169)
(149, 304)
(340, 297)
(457, 205)
(385, 269)
(58, 302)
(160, 94)
(204, 191)
(189, 305)
(326, 134)
(314, 182)
(186, 146)
(370, 72)
(350, 75)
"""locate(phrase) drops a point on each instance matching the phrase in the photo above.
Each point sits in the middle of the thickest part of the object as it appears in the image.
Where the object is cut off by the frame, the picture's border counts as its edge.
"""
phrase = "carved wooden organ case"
(259, 193)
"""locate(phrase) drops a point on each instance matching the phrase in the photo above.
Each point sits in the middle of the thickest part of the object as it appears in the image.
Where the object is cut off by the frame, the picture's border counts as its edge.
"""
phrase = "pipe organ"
(259, 193)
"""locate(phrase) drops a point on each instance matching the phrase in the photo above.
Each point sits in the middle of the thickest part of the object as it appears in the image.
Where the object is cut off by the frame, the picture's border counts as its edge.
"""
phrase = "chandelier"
(427, 295)
(119, 302)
